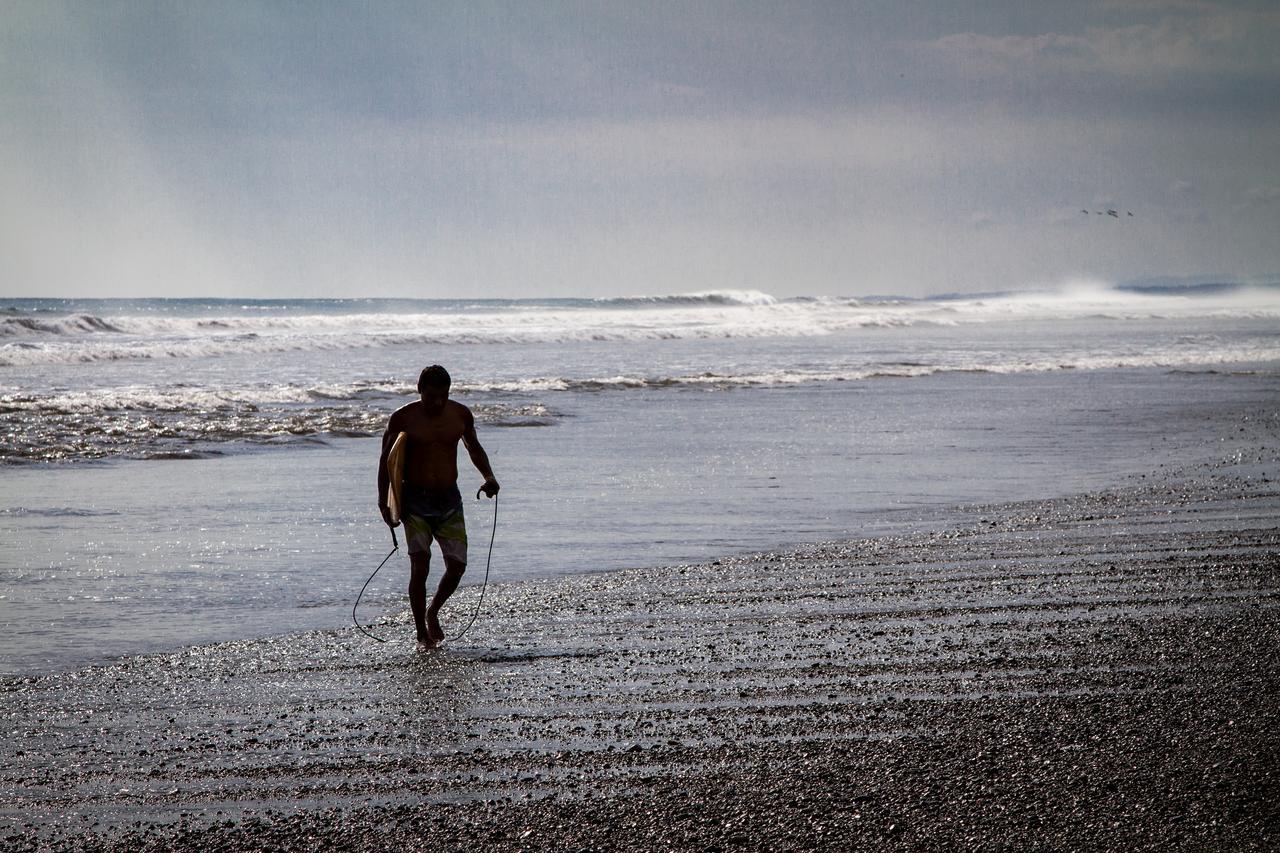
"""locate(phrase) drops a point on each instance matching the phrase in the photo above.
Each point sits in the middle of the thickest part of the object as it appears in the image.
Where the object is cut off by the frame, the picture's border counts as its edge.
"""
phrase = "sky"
(521, 149)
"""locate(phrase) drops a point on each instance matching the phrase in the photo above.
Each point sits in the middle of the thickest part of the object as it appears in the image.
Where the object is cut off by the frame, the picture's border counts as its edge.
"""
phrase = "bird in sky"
(1108, 212)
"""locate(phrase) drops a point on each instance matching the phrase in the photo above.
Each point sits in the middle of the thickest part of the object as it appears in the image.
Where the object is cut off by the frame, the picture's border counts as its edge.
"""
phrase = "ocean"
(183, 471)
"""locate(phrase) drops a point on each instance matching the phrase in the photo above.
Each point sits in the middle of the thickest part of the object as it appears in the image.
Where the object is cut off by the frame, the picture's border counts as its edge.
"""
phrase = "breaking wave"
(709, 297)
(73, 325)
(33, 337)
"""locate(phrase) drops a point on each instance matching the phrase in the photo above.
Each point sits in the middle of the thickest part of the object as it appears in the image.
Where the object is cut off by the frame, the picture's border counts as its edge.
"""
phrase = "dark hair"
(434, 376)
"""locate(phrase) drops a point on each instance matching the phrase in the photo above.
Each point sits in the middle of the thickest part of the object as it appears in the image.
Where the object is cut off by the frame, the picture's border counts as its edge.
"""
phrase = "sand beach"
(1098, 671)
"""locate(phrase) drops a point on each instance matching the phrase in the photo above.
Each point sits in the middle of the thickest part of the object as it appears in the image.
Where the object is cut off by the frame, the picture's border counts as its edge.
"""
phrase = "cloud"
(1148, 6)
(1204, 40)
(1264, 194)
(83, 205)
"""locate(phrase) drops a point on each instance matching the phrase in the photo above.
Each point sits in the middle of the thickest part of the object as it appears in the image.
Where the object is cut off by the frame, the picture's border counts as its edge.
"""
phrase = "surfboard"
(395, 470)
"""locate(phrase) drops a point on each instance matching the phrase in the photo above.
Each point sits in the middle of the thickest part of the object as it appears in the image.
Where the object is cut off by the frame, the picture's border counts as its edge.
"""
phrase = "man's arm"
(479, 458)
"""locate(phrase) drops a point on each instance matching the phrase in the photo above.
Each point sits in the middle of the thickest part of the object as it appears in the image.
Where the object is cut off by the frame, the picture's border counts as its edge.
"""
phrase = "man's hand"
(386, 516)
(490, 487)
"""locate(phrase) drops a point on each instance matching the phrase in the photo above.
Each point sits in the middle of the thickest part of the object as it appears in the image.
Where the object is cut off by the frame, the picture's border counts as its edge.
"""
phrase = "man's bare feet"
(434, 630)
(424, 640)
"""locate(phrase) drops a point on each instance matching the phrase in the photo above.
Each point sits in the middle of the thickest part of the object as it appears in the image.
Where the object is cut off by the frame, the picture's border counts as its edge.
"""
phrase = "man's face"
(433, 399)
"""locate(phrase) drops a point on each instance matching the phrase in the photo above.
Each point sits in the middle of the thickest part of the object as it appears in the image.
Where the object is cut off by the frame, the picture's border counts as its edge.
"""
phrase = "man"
(431, 506)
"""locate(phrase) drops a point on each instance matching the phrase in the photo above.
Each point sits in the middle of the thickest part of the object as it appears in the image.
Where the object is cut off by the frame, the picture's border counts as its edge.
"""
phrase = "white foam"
(709, 315)
(1205, 354)
(142, 398)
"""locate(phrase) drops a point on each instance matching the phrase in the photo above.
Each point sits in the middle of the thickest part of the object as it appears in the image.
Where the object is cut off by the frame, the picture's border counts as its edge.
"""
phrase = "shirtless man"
(431, 504)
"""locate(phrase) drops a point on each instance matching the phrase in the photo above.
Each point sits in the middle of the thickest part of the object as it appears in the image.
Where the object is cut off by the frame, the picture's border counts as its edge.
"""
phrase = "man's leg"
(453, 569)
(419, 566)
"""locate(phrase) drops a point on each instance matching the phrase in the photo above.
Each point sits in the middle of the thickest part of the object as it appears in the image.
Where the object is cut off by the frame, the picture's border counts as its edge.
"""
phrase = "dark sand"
(1101, 671)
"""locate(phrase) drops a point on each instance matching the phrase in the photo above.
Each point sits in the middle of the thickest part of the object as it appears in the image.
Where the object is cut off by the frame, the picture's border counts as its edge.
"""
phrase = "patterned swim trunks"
(435, 514)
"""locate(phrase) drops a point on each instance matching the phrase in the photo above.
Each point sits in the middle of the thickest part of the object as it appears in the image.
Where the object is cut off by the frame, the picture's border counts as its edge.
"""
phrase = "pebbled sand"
(1099, 671)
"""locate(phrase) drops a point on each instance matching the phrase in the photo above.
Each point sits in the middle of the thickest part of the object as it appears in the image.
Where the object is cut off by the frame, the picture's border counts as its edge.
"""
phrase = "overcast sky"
(590, 149)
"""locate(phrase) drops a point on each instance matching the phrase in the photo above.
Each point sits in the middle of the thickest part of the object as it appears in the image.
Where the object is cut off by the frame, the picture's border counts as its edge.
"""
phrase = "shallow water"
(122, 557)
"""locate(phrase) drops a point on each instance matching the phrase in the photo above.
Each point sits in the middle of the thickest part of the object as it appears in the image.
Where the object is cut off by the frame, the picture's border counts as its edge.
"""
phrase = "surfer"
(430, 504)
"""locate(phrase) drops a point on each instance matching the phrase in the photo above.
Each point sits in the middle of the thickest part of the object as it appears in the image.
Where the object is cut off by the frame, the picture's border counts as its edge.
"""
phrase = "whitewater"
(40, 331)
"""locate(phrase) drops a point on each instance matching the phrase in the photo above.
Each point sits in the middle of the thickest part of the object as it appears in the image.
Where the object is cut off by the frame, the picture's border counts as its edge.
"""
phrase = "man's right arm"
(384, 478)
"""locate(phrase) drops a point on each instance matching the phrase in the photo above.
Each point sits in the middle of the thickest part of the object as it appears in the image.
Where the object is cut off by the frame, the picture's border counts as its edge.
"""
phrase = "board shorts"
(435, 514)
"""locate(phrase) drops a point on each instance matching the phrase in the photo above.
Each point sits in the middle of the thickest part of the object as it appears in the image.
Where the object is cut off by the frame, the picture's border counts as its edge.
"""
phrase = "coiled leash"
(487, 561)
(395, 546)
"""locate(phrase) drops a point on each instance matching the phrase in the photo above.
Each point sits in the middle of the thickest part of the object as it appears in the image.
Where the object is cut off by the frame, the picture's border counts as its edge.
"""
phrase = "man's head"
(433, 386)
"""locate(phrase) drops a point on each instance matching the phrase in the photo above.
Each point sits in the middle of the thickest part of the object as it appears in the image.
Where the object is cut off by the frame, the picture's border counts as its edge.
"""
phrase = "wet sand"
(1100, 671)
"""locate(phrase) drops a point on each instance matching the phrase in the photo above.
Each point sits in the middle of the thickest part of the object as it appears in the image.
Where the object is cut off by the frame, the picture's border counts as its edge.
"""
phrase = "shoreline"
(1096, 670)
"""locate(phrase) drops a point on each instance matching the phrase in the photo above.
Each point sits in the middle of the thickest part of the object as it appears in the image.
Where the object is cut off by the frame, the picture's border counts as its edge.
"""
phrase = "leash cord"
(487, 562)
(395, 546)
(395, 543)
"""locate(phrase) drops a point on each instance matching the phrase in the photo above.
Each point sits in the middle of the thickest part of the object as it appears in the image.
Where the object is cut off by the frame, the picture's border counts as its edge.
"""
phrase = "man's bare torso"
(432, 444)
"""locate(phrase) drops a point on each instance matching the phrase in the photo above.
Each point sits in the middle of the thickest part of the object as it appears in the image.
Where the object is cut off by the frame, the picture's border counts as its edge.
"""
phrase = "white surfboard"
(395, 470)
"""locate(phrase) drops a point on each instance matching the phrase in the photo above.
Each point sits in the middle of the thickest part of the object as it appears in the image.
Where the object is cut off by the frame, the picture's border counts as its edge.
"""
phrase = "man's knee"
(454, 567)
(419, 568)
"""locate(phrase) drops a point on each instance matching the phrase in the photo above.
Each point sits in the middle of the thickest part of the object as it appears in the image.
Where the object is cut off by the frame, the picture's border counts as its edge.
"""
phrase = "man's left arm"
(479, 458)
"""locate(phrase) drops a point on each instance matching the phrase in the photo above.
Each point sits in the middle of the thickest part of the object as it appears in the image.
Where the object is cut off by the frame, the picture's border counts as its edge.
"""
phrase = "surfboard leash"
(395, 546)
(488, 561)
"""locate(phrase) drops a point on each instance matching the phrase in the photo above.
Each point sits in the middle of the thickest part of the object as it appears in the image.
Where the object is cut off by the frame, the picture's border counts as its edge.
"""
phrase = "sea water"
(186, 471)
